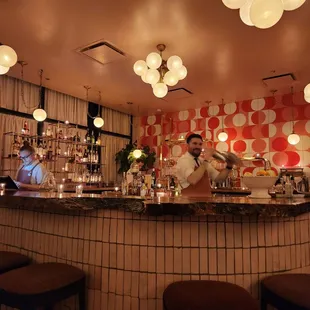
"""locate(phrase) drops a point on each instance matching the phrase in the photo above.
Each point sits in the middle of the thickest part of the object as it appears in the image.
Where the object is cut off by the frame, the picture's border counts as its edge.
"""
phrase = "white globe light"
(290, 5)
(39, 115)
(160, 90)
(98, 122)
(171, 78)
(152, 76)
(223, 136)
(8, 57)
(234, 4)
(182, 73)
(293, 139)
(245, 13)
(137, 153)
(153, 60)
(174, 63)
(307, 99)
(140, 67)
(265, 14)
(307, 90)
(4, 70)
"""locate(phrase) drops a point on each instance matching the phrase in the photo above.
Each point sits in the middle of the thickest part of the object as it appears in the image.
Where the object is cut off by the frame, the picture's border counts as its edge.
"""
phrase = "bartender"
(31, 174)
(194, 173)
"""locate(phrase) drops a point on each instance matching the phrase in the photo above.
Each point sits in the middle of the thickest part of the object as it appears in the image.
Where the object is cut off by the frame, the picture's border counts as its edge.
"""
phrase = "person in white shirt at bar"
(194, 173)
(31, 174)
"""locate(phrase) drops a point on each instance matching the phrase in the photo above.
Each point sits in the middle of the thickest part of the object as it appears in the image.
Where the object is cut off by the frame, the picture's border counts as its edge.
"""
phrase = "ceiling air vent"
(178, 93)
(102, 52)
(279, 81)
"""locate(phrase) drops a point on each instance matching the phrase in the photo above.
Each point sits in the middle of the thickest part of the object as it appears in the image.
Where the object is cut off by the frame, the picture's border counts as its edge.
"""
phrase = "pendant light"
(222, 136)
(293, 138)
(97, 120)
(8, 56)
(39, 114)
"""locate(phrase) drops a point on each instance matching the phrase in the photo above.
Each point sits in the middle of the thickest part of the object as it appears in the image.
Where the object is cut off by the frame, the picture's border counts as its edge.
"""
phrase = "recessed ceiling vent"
(102, 52)
(279, 81)
(178, 93)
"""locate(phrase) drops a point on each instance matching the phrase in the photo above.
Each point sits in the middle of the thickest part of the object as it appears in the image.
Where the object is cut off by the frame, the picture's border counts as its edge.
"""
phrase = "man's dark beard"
(196, 154)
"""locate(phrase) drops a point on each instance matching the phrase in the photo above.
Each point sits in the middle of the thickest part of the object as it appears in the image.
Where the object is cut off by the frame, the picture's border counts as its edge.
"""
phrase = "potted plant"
(125, 157)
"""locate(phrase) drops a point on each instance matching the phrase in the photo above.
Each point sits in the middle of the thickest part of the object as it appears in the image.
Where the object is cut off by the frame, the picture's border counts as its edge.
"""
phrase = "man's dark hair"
(27, 147)
(192, 136)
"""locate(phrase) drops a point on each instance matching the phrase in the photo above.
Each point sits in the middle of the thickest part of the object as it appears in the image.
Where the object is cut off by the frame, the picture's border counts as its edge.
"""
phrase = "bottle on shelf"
(143, 188)
(124, 185)
(44, 152)
(15, 147)
(25, 130)
(90, 157)
(172, 184)
(153, 179)
(92, 137)
(96, 158)
(49, 131)
(87, 136)
(98, 142)
(40, 149)
(58, 149)
(50, 152)
(85, 156)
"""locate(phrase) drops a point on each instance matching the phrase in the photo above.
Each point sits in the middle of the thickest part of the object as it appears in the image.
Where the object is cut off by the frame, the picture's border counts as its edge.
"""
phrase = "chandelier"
(8, 58)
(262, 14)
(159, 72)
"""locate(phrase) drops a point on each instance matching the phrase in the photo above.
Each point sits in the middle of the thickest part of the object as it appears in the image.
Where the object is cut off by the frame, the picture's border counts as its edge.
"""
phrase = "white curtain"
(115, 121)
(11, 98)
(63, 107)
(111, 146)
(12, 124)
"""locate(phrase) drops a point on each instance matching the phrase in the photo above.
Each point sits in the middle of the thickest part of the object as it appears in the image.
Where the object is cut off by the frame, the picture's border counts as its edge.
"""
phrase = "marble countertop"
(179, 206)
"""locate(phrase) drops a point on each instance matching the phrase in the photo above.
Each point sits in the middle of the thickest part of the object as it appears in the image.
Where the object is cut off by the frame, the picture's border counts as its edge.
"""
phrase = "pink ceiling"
(224, 57)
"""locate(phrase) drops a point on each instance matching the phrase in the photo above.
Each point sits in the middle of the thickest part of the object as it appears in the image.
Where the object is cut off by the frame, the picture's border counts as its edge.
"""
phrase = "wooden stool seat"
(41, 285)
(12, 260)
(286, 292)
(207, 295)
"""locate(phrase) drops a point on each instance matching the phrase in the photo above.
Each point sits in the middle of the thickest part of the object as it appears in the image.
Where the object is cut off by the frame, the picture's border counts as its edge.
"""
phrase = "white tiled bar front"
(131, 258)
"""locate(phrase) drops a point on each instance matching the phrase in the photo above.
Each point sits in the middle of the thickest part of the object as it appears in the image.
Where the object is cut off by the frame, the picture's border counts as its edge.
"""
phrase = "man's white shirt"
(38, 173)
(186, 166)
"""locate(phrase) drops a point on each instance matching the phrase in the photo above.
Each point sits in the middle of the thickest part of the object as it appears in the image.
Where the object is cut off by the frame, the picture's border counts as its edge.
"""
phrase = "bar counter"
(132, 248)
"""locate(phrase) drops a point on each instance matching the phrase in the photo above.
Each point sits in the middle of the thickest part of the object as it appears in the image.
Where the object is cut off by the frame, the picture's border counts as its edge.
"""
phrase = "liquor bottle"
(90, 157)
(92, 137)
(40, 149)
(15, 147)
(98, 142)
(44, 152)
(96, 159)
(58, 149)
(153, 179)
(87, 136)
(172, 184)
(143, 188)
(50, 152)
(25, 129)
(48, 131)
(124, 185)
(85, 156)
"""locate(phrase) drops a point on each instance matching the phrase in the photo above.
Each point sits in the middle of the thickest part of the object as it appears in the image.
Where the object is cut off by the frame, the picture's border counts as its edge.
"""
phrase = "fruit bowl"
(259, 185)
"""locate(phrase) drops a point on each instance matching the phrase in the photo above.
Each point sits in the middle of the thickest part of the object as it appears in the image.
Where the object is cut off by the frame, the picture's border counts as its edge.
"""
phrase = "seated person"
(31, 174)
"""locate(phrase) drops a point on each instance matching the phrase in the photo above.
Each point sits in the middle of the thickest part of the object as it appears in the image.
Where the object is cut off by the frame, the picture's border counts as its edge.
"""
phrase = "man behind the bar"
(194, 173)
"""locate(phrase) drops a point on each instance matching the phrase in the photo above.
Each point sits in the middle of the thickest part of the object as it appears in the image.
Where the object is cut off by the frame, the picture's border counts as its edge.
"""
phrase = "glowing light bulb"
(98, 122)
(290, 5)
(39, 115)
(174, 63)
(160, 90)
(4, 70)
(223, 136)
(153, 60)
(171, 78)
(140, 67)
(293, 139)
(8, 56)
(137, 153)
(245, 13)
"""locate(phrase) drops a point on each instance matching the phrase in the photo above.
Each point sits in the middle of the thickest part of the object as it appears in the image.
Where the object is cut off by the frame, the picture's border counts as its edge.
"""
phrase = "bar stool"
(12, 260)
(207, 295)
(41, 285)
(286, 292)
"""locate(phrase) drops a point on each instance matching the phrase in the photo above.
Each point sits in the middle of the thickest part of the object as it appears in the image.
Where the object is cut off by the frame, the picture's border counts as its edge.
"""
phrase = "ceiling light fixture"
(8, 57)
(307, 93)
(293, 138)
(223, 136)
(159, 72)
(39, 114)
(97, 120)
(262, 14)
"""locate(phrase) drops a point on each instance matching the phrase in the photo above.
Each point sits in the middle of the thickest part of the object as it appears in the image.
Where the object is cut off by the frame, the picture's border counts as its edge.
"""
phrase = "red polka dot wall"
(253, 126)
